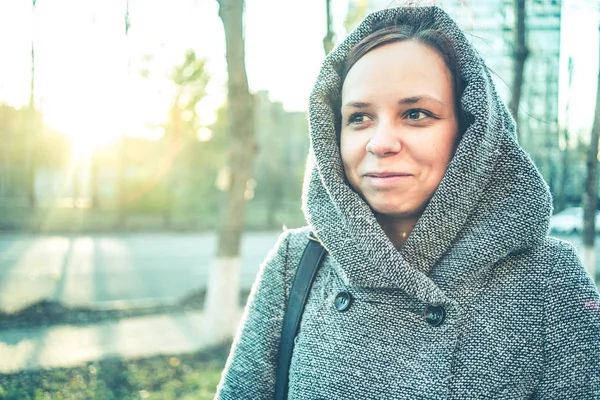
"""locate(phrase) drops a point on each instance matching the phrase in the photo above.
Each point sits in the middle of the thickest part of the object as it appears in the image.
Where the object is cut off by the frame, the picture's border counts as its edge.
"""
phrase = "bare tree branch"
(520, 54)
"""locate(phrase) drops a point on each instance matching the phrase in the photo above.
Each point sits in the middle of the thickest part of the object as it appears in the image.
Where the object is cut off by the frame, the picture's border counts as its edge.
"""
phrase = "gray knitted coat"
(522, 318)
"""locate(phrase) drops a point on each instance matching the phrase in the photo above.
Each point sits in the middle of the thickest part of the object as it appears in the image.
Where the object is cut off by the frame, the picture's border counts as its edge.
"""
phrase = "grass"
(188, 376)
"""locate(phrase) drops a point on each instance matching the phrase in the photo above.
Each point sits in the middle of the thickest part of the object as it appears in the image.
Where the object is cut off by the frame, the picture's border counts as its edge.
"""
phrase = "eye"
(357, 119)
(416, 115)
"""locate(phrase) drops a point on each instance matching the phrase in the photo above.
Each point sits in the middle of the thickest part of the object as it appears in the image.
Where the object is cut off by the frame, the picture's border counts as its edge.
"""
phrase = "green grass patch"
(187, 376)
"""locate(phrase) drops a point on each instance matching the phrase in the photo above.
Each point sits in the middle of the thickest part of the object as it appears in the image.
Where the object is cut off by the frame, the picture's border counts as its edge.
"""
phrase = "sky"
(580, 42)
(88, 73)
(88, 81)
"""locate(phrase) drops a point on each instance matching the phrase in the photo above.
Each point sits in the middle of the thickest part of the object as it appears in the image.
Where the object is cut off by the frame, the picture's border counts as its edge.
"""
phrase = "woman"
(435, 223)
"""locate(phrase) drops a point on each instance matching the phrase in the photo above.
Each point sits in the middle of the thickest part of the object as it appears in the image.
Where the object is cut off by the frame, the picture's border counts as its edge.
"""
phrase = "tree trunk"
(561, 200)
(31, 128)
(328, 39)
(565, 156)
(76, 184)
(519, 56)
(590, 197)
(121, 197)
(94, 181)
(550, 153)
(222, 297)
(121, 184)
(6, 172)
(171, 173)
(169, 199)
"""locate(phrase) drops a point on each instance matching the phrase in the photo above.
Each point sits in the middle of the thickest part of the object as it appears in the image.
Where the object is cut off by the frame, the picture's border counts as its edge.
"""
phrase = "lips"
(386, 174)
(386, 180)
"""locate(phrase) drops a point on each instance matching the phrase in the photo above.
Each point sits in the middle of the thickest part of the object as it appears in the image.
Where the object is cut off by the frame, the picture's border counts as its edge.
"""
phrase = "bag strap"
(313, 254)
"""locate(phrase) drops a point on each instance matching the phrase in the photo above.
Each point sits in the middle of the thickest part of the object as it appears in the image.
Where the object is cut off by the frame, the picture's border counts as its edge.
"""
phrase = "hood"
(491, 202)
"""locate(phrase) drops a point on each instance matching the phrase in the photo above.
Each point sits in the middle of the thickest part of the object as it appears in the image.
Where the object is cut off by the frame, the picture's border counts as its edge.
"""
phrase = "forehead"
(405, 68)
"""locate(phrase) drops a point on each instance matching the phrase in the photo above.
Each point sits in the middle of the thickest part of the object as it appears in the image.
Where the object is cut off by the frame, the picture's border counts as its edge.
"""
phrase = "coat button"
(434, 315)
(342, 301)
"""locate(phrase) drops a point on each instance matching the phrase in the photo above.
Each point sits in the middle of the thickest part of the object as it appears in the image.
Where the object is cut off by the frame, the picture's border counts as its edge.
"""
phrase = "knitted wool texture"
(522, 317)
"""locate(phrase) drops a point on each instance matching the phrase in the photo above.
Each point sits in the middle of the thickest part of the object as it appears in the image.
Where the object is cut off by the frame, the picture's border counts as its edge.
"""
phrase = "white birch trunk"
(221, 308)
(222, 301)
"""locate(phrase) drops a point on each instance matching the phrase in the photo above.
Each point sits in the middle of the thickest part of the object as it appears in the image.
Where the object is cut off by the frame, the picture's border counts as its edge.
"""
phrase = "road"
(109, 271)
(120, 270)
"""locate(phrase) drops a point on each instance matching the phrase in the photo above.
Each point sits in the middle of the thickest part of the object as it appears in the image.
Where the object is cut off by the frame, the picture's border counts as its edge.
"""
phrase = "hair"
(421, 32)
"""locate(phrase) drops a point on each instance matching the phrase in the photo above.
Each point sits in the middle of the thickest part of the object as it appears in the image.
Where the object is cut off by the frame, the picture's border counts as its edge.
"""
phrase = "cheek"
(351, 158)
(438, 155)
(449, 146)
(447, 139)
(348, 152)
(445, 151)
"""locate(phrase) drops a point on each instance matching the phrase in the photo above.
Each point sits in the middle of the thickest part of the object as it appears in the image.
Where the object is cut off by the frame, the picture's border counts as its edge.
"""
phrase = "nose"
(385, 140)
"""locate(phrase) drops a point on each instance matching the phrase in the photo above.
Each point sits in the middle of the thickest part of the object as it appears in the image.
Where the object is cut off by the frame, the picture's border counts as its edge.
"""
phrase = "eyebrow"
(405, 101)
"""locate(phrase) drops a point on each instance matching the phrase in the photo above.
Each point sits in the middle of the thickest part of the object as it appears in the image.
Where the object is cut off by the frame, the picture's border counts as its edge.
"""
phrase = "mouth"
(386, 180)
(384, 175)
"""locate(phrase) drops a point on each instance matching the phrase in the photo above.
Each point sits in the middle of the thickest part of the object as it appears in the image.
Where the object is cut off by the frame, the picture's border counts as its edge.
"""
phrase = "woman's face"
(399, 127)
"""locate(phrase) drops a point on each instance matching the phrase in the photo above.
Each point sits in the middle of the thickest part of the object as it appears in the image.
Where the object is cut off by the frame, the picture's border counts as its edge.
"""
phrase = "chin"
(397, 209)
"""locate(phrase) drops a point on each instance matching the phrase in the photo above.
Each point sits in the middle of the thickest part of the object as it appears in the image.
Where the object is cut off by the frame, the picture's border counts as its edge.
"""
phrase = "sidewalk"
(67, 346)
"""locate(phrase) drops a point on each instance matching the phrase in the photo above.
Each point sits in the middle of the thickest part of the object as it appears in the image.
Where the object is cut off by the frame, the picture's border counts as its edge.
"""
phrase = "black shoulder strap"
(307, 269)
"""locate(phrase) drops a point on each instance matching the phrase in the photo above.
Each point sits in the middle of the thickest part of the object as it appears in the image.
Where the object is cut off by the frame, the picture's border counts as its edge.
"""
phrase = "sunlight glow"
(95, 84)
(83, 148)
(204, 134)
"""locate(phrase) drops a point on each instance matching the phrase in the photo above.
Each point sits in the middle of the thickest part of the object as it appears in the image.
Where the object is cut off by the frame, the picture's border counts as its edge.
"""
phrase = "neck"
(397, 229)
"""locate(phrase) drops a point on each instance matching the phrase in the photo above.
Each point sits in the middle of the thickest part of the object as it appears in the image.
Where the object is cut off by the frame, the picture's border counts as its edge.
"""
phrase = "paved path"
(68, 346)
(113, 271)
